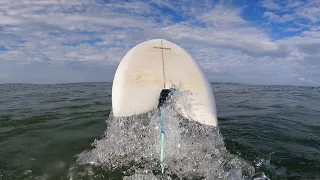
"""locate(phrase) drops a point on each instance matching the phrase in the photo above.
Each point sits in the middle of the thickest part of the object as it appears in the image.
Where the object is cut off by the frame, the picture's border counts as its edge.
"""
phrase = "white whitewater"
(131, 147)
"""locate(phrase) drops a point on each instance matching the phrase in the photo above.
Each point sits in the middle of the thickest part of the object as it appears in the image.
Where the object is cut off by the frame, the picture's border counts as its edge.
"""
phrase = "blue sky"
(242, 41)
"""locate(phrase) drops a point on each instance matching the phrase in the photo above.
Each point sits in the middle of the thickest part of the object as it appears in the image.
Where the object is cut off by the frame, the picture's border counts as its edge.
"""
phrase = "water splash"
(130, 149)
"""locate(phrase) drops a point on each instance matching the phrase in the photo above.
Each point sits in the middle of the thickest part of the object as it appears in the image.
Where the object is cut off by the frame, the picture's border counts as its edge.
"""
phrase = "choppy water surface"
(65, 132)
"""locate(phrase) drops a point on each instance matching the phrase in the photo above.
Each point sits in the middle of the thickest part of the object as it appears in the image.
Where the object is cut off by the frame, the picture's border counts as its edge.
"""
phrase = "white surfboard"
(159, 64)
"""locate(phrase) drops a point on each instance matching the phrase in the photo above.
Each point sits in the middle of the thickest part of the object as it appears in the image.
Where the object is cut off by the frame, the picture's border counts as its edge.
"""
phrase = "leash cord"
(162, 140)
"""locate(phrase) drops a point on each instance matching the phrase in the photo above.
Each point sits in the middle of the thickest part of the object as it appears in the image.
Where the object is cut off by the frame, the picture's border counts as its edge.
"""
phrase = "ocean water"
(66, 131)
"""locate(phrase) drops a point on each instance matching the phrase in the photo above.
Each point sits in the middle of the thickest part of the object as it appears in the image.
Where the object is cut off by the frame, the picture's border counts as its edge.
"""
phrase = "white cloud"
(290, 29)
(271, 4)
(226, 29)
(294, 4)
(279, 18)
(309, 81)
(292, 11)
(68, 34)
(310, 10)
(221, 16)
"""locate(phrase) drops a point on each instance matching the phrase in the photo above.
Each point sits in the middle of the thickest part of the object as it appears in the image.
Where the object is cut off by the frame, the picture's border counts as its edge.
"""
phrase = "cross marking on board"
(162, 48)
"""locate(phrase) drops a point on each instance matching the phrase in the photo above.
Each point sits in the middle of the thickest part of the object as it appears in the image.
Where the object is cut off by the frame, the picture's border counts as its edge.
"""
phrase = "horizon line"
(112, 81)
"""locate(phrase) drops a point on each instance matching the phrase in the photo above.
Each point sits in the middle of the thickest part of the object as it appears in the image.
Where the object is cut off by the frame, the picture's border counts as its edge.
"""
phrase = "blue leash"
(162, 136)
(162, 141)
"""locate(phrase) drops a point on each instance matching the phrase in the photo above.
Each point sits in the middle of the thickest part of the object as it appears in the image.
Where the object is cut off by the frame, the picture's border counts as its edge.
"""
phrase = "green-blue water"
(43, 128)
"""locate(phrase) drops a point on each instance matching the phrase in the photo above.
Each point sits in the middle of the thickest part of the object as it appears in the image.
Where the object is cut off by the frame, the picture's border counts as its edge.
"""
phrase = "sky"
(243, 41)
